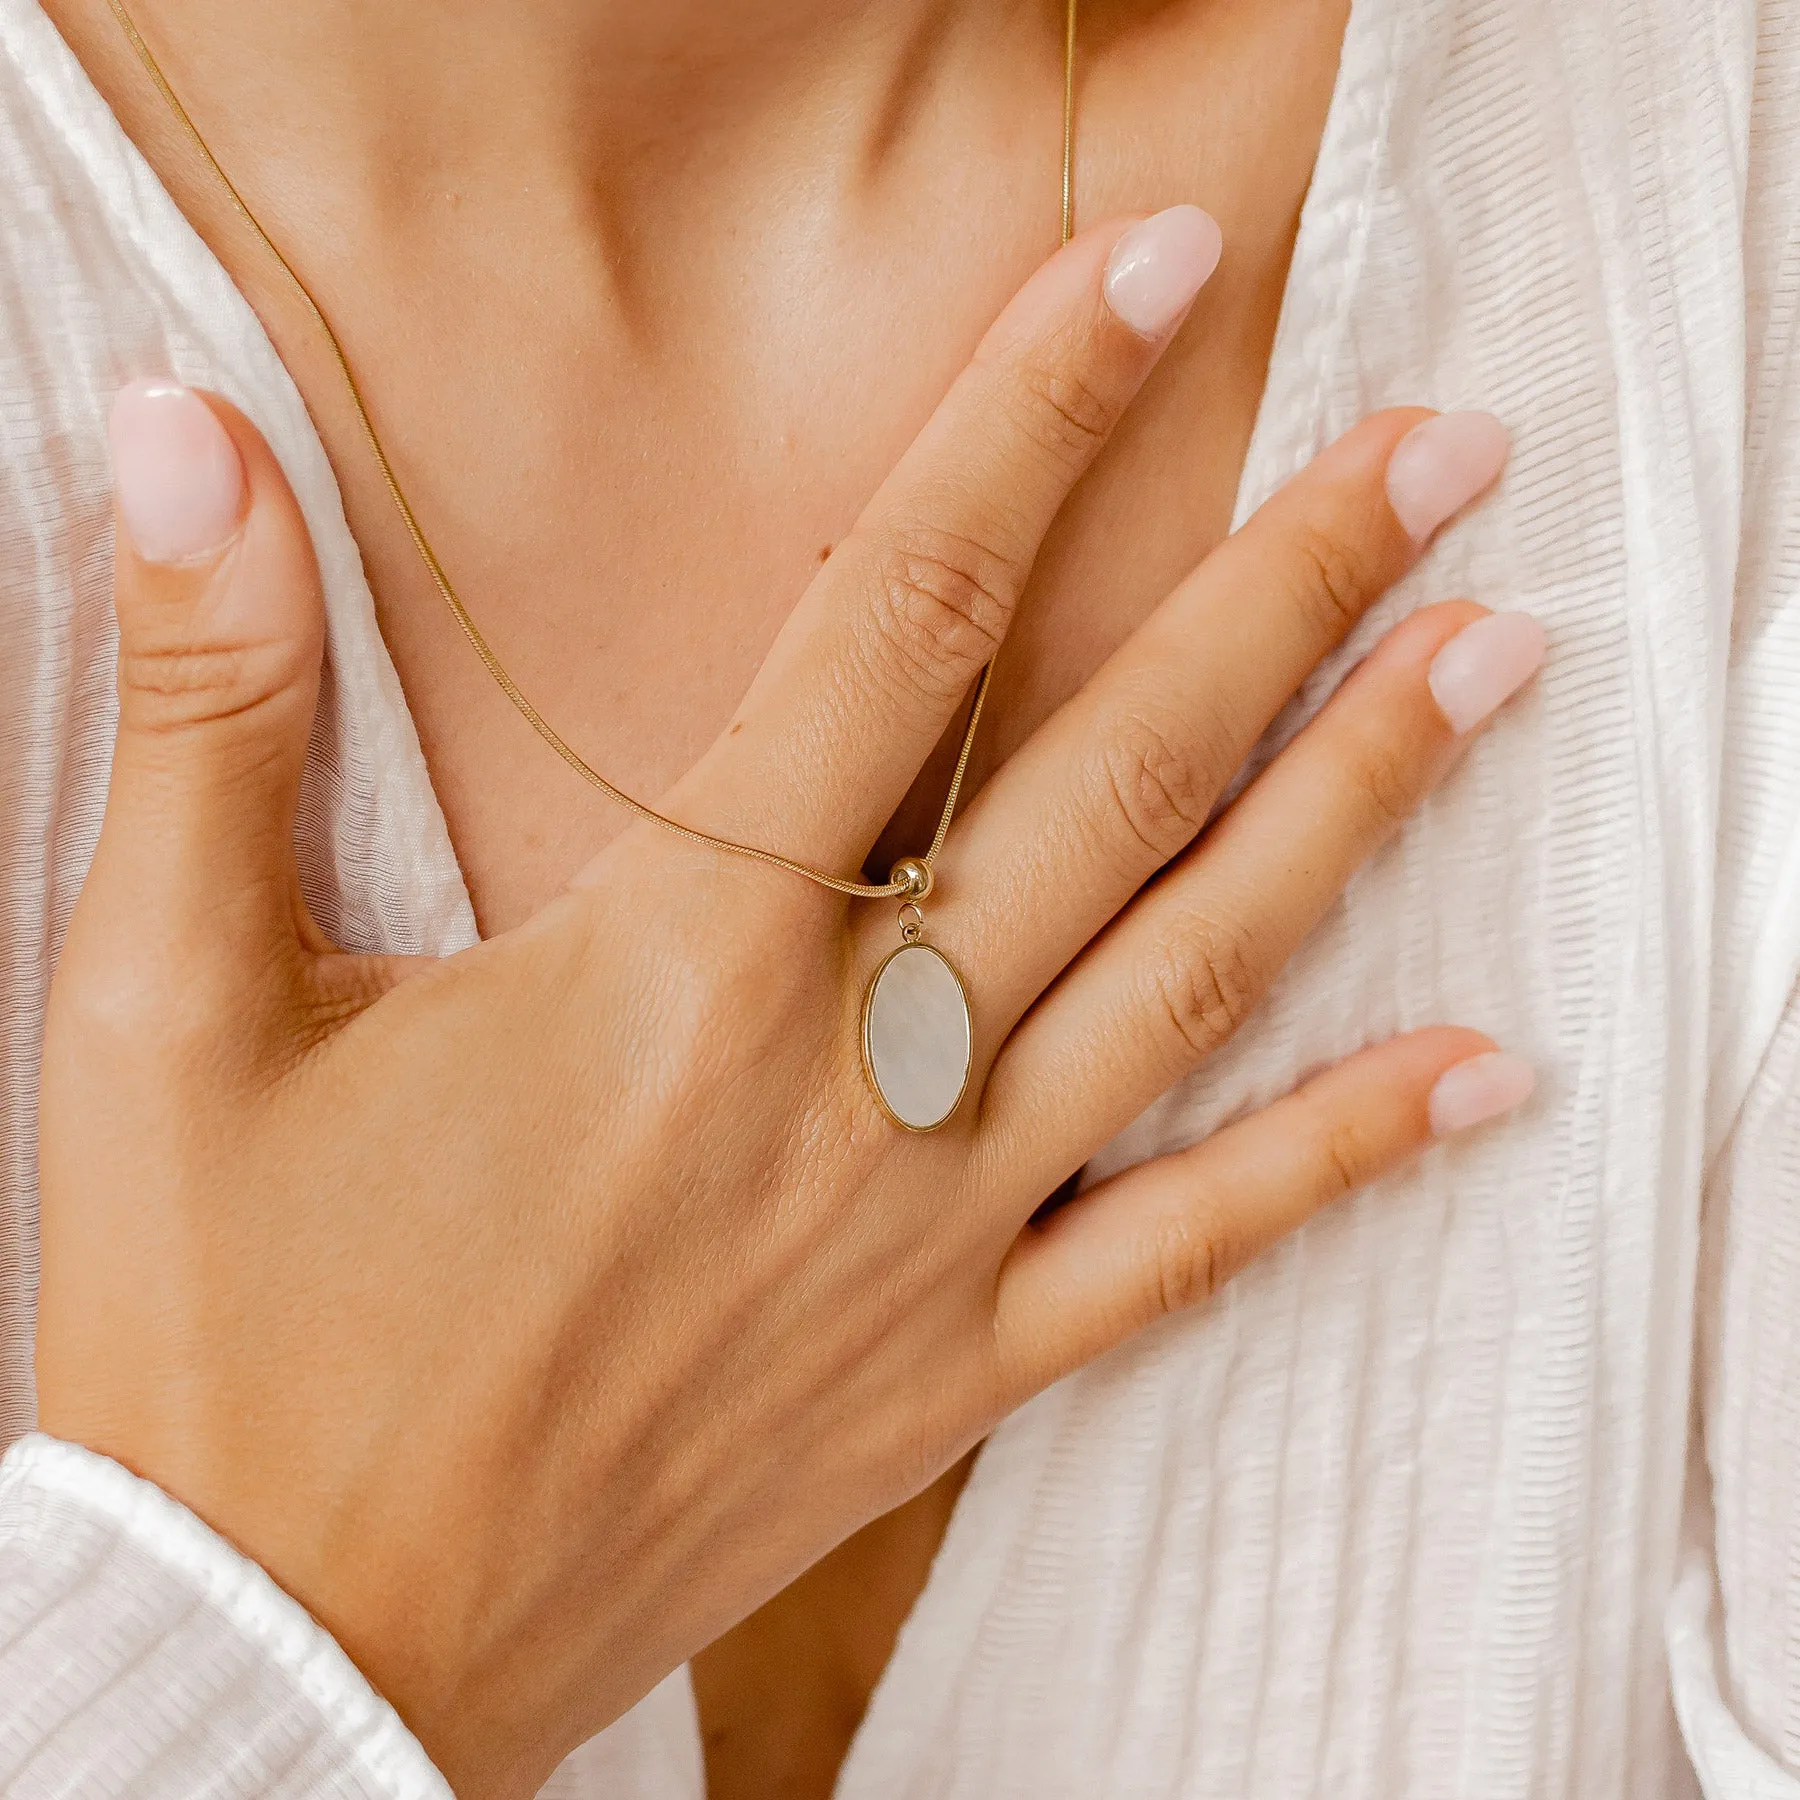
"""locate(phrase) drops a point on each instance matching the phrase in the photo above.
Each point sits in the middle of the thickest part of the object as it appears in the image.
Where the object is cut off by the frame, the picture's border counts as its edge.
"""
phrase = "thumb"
(221, 632)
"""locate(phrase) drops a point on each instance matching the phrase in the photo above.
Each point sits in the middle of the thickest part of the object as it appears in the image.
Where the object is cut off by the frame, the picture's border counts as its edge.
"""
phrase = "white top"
(1401, 1516)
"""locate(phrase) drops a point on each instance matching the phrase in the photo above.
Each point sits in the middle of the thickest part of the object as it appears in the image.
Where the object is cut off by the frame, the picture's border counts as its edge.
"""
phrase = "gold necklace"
(912, 877)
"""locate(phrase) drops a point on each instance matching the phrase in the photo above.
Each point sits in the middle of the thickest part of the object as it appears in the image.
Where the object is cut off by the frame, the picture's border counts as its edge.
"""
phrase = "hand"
(534, 1314)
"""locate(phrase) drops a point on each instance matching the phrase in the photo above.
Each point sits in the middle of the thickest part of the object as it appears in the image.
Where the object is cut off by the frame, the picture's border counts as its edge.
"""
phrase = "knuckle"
(943, 603)
(1343, 1161)
(108, 1005)
(1153, 787)
(1065, 411)
(1387, 781)
(126, 1009)
(1333, 580)
(1208, 986)
(1186, 1264)
(174, 685)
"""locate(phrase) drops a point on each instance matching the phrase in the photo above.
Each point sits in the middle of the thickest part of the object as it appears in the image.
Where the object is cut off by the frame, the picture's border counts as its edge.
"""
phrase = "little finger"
(1166, 1235)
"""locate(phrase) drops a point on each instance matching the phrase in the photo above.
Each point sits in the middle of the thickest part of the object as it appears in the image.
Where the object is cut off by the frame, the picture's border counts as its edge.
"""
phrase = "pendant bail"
(914, 877)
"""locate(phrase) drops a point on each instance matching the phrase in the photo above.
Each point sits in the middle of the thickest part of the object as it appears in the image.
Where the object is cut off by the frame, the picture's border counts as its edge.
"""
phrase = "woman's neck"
(635, 122)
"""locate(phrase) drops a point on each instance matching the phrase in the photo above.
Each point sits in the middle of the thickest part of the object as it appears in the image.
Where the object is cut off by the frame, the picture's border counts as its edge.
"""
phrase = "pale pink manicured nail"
(1484, 664)
(1159, 265)
(1481, 1088)
(1441, 465)
(178, 477)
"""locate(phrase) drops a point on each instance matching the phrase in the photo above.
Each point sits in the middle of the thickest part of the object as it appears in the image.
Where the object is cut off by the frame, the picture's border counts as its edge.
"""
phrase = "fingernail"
(1441, 465)
(1483, 665)
(1159, 265)
(177, 475)
(1482, 1088)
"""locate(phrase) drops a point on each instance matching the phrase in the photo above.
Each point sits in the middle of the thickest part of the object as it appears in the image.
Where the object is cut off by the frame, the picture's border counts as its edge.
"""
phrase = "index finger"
(885, 644)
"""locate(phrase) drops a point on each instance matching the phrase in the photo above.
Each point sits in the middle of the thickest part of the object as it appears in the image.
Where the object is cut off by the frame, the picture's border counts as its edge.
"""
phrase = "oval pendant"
(916, 1037)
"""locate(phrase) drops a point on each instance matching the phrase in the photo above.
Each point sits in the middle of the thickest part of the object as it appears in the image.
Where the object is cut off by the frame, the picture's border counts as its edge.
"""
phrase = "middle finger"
(1122, 778)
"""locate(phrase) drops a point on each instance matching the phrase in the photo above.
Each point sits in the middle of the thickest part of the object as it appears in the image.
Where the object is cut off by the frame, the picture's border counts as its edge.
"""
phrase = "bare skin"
(617, 304)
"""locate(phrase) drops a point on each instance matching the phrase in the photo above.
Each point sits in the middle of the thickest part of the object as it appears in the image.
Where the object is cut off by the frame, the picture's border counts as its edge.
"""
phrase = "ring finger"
(1121, 779)
(1177, 972)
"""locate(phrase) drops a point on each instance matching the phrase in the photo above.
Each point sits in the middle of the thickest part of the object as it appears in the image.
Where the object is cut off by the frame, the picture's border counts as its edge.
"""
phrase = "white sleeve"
(1732, 1623)
(141, 1655)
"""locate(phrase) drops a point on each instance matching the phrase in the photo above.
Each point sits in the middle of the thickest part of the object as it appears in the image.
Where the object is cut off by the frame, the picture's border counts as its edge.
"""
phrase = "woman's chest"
(632, 588)
(630, 504)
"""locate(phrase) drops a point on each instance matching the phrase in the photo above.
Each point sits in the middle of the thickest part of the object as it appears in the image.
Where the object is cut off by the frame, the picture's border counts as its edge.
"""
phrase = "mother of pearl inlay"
(916, 1037)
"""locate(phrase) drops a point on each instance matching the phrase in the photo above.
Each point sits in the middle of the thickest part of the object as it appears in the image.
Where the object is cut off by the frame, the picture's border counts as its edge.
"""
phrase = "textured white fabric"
(1407, 1513)
(164, 1640)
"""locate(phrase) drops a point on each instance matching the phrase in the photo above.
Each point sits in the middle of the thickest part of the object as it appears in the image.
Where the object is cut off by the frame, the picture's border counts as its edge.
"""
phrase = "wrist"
(165, 1623)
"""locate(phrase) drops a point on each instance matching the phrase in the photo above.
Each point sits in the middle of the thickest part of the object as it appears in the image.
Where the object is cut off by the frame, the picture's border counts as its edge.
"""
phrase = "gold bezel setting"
(868, 1061)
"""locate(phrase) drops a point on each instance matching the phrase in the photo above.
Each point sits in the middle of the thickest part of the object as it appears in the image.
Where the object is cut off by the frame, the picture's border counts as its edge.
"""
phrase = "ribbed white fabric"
(168, 1665)
(1408, 1513)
